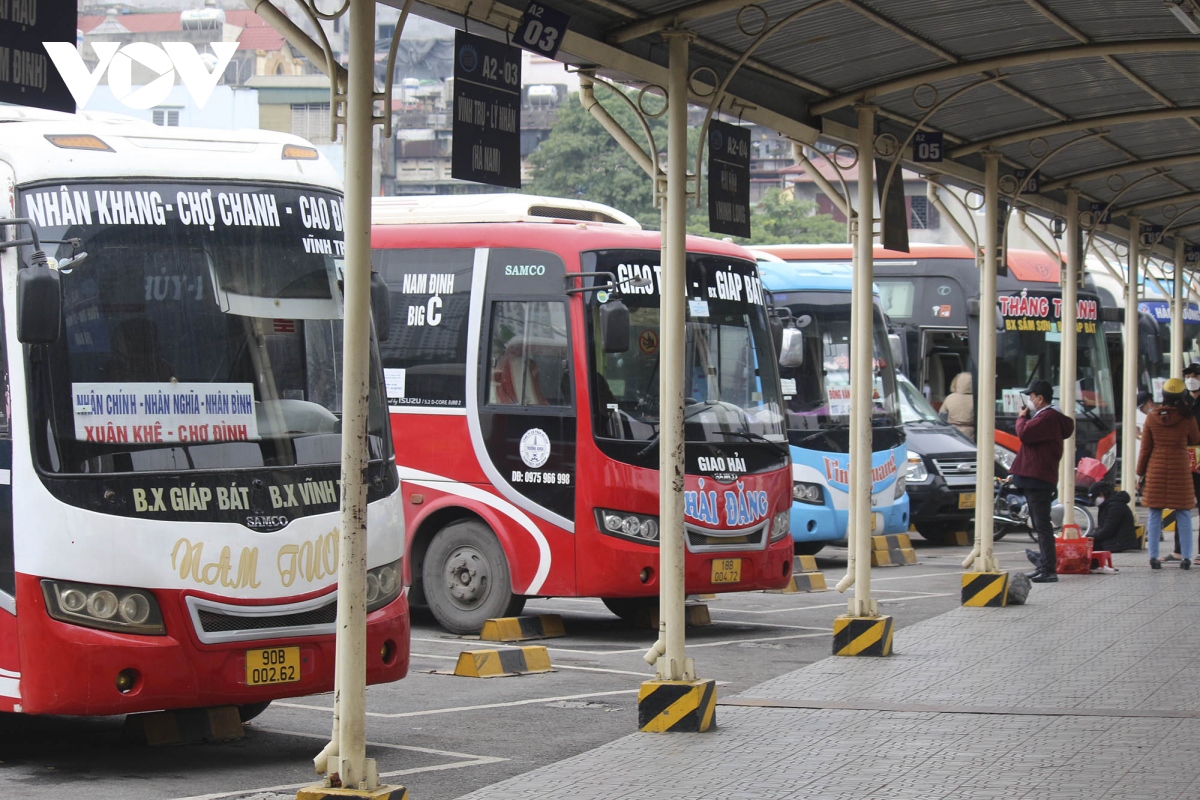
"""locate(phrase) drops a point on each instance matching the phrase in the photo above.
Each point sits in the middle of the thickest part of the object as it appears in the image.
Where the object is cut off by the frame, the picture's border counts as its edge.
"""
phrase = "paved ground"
(1090, 691)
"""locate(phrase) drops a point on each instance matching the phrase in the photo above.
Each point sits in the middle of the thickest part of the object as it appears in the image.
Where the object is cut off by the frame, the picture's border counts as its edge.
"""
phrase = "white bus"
(170, 443)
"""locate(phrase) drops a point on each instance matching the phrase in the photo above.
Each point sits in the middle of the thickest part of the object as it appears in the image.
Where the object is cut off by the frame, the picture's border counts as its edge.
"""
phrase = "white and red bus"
(522, 372)
(170, 444)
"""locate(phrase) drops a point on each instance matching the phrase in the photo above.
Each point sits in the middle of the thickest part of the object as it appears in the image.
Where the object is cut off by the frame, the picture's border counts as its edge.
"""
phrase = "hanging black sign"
(487, 112)
(893, 216)
(728, 179)
(27, 75)
(1151, 234)
(541, 29)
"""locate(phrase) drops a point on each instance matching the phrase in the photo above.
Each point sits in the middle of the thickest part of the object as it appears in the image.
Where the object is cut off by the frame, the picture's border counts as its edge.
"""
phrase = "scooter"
(1010, 512)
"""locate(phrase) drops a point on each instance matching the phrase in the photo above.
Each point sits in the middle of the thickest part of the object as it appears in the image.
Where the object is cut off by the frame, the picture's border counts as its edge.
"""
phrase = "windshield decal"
(1025, 312)
(154, 413)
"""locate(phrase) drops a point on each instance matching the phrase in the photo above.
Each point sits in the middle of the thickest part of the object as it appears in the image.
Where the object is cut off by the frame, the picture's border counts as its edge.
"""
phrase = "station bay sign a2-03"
(487, 111)
(27, 77)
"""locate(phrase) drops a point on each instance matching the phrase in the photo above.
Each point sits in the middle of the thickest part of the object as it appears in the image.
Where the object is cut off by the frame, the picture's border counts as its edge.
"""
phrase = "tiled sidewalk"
(1090, 691)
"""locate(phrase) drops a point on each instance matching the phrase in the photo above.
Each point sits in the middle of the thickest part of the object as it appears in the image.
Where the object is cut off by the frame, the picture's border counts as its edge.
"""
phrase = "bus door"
(9, 656)
(527, 424)
(945, 352)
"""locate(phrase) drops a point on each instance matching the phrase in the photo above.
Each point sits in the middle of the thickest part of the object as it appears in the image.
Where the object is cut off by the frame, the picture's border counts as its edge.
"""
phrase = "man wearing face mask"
(1191, 379)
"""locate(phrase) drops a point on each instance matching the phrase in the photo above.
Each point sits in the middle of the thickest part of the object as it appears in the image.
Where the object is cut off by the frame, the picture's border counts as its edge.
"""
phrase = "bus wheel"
(808, 548)
(466, 578)
(633, 609)
(252, 710)
(933, 533)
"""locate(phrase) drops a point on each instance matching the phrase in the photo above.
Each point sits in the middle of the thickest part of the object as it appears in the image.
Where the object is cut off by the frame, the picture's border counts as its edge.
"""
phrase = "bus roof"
(1024, 265)
(816, 276)
(128, 148)
(503, 207)
(562, 236)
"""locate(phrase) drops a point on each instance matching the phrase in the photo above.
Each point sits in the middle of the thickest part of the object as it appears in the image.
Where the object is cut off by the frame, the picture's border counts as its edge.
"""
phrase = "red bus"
(522, 378)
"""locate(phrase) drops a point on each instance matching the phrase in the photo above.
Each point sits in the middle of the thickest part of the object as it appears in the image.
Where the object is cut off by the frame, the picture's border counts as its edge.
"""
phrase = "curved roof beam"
(1032, 57)
(1158, 203)
(1128, 118)
(1119, 169)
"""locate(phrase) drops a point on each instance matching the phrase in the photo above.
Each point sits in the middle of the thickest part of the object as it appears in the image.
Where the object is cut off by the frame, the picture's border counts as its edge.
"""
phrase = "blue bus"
(814, 300)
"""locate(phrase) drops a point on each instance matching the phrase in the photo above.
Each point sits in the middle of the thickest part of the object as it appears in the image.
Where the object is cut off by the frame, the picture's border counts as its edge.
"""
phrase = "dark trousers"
(1038, 501)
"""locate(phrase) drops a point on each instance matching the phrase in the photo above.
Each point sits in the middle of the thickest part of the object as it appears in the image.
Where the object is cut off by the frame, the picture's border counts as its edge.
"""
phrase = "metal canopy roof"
(1120, 77)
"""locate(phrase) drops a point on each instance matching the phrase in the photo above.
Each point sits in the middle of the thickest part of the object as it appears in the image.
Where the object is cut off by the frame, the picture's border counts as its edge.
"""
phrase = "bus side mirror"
(39, 305)
(614, 327)
(791, 348)
(897, 347)
(775, 324)
(381, 306)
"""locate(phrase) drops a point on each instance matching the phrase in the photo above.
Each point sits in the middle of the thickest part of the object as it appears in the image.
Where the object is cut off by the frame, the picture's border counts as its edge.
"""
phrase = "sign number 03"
(541, 29)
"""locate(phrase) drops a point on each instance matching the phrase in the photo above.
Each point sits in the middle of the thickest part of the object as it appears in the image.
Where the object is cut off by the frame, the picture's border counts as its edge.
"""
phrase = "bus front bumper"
(73, 670)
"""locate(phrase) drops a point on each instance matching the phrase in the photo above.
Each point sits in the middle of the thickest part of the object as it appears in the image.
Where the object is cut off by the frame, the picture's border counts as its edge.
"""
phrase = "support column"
(1129, 377)
(985, 584)
(1177, 310)
(862, 631)
(350, 768)
(1069, 354)
(675, 701)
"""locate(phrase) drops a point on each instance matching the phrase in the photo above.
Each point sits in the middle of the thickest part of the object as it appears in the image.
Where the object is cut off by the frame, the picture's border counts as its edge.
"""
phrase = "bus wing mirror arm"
(381, 306)
(610, 282)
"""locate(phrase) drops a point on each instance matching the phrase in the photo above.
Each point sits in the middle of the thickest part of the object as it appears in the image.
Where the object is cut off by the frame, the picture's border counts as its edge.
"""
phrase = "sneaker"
(1106, 570)
(1172, 557)
(1185, 564)
(1044, 577)
(1155, 564)
(1034, 557)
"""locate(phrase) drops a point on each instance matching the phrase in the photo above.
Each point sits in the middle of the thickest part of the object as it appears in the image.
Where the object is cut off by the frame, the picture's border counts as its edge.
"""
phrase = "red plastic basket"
(1073, 552)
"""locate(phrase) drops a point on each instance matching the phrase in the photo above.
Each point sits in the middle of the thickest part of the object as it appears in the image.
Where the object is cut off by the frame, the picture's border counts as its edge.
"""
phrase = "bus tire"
(933, 533)
(466, 578)
(249, 711)
(808, 548)
(632, 609)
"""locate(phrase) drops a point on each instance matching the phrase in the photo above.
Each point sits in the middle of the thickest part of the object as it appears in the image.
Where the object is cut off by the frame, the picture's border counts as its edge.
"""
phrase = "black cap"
(1040, 388)
(1101, 487)
(1192, 368)
(1143, 397)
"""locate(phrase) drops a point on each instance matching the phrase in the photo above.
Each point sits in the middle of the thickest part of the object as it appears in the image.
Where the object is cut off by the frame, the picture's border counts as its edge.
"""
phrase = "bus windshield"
(1029, 347)
(731, 387)
(817, 391)
(202, 331)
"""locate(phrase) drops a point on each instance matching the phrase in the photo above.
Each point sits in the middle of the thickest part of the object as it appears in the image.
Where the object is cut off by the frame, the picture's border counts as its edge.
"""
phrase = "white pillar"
(672, 665)
(1177, 311)
(862, 370)
(1129, 378)
(985, 417)
(351, 765)
(1069, 354)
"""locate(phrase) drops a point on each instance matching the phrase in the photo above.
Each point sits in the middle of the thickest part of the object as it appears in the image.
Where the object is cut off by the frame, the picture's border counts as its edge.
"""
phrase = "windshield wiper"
(757, 437)
(837, 426)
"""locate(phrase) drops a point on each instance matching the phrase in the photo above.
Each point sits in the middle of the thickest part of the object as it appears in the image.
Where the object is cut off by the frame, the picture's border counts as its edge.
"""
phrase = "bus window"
(897, 298)
(528, 354)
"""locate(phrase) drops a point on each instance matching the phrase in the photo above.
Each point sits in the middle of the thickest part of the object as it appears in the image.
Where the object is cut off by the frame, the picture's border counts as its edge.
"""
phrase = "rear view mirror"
(791, 348)
(896, 344)
(614, 326)
(39, 305)
(381, 306)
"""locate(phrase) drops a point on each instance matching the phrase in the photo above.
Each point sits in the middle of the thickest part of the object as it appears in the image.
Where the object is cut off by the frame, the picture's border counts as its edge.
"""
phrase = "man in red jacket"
(1042, 428)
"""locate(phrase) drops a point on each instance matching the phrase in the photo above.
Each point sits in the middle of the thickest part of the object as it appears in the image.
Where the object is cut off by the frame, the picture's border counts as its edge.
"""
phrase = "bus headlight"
(915, 471)
(810, 493)
(383, 585)
(1005, 457)
(106, 608)
(781, 525)
(624, 525)
(901, 486)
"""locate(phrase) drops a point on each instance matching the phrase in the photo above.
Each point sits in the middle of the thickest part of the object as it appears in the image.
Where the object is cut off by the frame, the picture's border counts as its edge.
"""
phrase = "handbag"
(1073, 553)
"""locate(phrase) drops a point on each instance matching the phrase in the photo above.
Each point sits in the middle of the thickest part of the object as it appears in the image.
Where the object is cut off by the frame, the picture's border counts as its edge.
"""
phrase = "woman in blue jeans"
(1164, 473)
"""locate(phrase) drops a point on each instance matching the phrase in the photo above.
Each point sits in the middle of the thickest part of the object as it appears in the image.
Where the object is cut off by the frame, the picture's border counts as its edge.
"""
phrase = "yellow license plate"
(727, 570)
(966, 500)
(272, 665)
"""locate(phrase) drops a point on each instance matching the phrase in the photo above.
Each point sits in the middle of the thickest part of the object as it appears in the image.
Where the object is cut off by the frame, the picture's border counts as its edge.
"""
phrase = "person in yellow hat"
(1164, 473)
